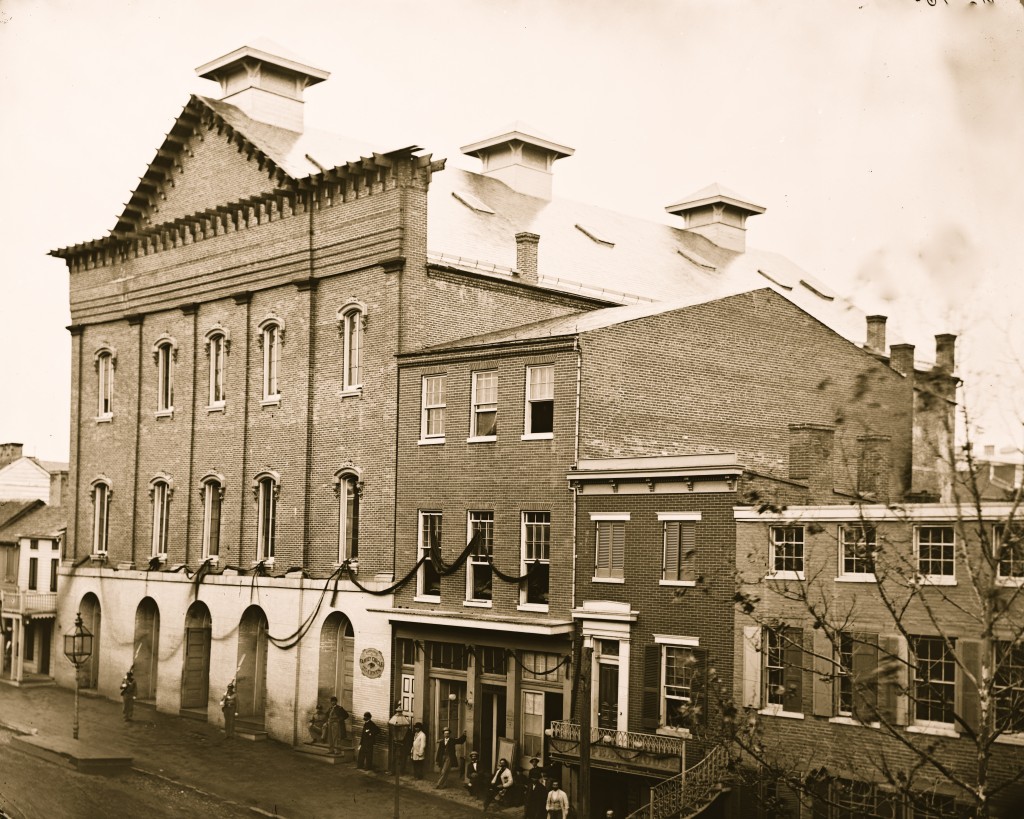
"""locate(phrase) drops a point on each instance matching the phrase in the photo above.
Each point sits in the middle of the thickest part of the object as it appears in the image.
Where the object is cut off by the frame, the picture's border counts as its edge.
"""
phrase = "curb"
(207, 794)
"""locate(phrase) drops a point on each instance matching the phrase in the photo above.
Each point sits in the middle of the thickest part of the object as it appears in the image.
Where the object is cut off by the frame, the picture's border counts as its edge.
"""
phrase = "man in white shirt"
(558, 802)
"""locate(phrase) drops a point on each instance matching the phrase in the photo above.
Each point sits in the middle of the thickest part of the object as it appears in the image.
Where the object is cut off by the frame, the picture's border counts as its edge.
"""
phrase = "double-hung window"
(165, 378)
(787, 553)
(218, 351)
(348, 518)
(934, 686)
(271, 338)
(539, 420)
(935, 554)
(1009, 687)
(105, 384)
(266, 528)
(352, 343)
(858, 556)
(161, 493)
(609, 546)
(782, 672)
(484, 421)
(478, 568)
(536, 559)
(680, 707)
(1009, 552)
(100, 517)
(433, 409)
(213, 493)
(428, 579)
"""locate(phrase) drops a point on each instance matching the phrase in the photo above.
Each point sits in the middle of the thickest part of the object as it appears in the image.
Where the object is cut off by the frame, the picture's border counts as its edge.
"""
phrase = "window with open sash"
(428, 579)
(540, 401)
(485, 405)
(478, 567)
(536, 557)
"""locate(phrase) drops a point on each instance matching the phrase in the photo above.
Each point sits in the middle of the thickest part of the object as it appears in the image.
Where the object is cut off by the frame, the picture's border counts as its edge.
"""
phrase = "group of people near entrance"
(539, 797)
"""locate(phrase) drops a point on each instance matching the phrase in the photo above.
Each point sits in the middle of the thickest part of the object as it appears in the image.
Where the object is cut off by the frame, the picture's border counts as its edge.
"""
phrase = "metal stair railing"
(689, 793)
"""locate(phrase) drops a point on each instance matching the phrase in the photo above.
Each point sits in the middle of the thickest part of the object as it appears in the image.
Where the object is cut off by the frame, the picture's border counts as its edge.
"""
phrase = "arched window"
(160, 492)
(212, 491)
(352, 323)
(349, 488)
(217, 347)
(271, 338)
(165, 351)
(105, 382)
(100, 515)
(266, 488)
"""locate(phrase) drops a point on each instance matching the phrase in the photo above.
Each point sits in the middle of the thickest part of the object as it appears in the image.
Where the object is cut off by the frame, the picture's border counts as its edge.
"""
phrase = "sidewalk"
(268, 777)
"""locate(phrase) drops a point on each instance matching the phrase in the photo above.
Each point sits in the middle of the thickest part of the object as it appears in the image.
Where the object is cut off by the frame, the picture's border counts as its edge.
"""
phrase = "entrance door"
(492, 726)
(552, 713)
(45, 635)
(147, 649)
(608, 697)
(195, 685)
(251, 674)
(89, 672)
(337, 650)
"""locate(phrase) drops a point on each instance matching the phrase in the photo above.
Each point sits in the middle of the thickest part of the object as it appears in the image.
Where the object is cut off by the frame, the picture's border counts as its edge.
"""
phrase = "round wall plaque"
(371, 661)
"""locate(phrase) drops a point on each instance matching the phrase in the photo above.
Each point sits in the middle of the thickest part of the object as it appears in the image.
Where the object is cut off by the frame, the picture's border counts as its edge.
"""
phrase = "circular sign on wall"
(371, 661)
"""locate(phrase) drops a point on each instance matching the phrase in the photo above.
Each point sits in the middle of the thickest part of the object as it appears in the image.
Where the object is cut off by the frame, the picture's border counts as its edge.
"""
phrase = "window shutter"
(892, 678)
(819, 790)
(672, 550)
(824, 675)
(968, 707)
(865, 679)
(602, 551)
(751, 666)
(793, 653)
(618, 549)
(651, 706)
(687, 551)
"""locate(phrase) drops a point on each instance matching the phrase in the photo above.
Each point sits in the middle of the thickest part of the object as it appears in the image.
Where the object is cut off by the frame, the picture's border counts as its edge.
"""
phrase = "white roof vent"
(717, 214)
(520, 158)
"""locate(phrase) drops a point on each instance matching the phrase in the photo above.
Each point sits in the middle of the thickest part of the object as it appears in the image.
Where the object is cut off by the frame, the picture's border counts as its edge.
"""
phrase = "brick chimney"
(876, 334)
(58, 488)
(810, 458)
(9, 453)
(717, 214)
(520, 158)
(901, 359)
(526, 256)
(945, 353)
(264, 83)
(873, 467)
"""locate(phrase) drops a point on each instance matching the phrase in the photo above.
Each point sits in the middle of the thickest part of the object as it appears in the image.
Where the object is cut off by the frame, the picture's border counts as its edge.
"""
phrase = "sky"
(884, 137)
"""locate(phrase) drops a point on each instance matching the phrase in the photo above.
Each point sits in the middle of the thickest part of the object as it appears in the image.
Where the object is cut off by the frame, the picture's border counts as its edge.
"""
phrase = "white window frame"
(679, 644)
(104, 384)
(352, 324)
(481, 406)
(479, 560)
(528, 433)
(165, 352)
(525, 561)
(271, 340)
(437, 406)
(845, 575)
(609, 519)
(423, 550)
(212, 486)
(160, 491)
(929, 725)
(786, 574)
(348, 517)
(218, 370)
(1016, 563)
(101, 492)
(268, 488)
(942, 579)
(536, 748)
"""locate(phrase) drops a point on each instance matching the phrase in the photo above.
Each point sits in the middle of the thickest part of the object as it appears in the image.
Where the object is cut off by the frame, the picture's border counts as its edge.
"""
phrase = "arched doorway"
(147, 649)
(336, 661)
(195, 674)
(251, 676)
(89, 672)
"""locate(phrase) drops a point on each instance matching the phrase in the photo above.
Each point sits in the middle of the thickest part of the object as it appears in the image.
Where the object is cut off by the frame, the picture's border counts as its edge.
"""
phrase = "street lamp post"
(78, 649)
(398, 725)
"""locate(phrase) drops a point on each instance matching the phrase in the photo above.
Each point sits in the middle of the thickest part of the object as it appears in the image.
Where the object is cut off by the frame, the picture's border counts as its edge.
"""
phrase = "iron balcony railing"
(625, 740)
(689, 793)
(28, 602)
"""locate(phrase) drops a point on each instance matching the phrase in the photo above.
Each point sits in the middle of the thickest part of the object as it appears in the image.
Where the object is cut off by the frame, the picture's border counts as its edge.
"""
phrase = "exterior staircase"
(689, 793)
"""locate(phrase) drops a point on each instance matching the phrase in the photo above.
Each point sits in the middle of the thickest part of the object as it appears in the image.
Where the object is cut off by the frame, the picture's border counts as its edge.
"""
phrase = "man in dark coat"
(336, 716)
(537, 798)
(446, 758)
(476, 777)
(366, 740)
(128, 689)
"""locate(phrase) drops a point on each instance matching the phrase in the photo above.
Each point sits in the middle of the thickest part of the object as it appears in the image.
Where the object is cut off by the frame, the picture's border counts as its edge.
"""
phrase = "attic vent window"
(472, 202)
(596, 236)
(775, 281)
(818, 290)
(695, 258)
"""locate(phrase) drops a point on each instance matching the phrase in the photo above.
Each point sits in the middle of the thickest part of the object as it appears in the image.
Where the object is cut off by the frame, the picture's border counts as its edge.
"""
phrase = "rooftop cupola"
(264, 83)
(519, 158)
(717, 214)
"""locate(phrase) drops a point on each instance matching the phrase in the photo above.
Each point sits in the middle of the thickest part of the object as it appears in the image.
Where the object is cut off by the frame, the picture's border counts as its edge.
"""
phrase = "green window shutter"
(672, 550)
(968, 707)
(618, 558)
(793, 657)
(823, 689)
(865, 678)
(651, 705)
(892, 678)
(687, 551)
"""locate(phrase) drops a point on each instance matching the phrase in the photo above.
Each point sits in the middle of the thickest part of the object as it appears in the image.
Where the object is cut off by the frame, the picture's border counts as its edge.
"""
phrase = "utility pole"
(585, 673)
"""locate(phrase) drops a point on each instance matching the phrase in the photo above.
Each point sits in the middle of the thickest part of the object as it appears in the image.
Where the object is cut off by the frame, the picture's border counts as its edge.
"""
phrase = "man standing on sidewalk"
(128, 689)
(228, 704)
(445, 757)
(366, 741)
(336, 716)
